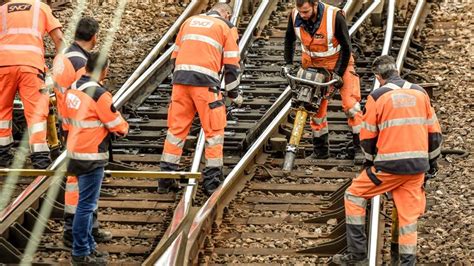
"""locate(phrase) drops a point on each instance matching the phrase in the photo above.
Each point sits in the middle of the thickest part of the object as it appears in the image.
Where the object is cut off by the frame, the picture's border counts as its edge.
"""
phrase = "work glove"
(238, 100)
(289, 67)
(339, 81)
(236, 97)
(431, 173)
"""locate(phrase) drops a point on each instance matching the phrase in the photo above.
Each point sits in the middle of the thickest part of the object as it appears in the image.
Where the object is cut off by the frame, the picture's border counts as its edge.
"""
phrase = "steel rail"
(362, 18)
(119, 101)
(172, 253)
(210, 206)
(159, 47)
(375, 202)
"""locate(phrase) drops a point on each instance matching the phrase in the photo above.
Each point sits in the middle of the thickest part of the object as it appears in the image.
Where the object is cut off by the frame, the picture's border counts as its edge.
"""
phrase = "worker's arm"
(342, 35)
(369, 131)
(435, 137)
(57, 36)
(109, 116)
(231, 61)
(290, 39)
(177, 44)
(52, 26)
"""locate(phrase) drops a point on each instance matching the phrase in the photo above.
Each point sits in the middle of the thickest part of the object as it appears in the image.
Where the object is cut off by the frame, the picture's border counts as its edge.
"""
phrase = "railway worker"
(23, 23)
(205, 44)
(67, 68)
(401, 139)
(92, 117)
(325, 43)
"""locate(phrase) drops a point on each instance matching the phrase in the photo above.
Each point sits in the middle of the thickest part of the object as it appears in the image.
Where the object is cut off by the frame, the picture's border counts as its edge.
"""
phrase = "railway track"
(267, 219)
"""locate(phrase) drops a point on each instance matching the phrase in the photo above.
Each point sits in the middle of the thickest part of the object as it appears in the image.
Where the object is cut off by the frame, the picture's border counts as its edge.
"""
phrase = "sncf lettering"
(201, 23)
(403, 100)
(18, 7)
(72, 101)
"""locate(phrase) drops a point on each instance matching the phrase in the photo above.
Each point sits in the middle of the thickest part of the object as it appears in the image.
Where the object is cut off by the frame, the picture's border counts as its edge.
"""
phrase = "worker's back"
(403, 119)
(204, 44)
(22, 26)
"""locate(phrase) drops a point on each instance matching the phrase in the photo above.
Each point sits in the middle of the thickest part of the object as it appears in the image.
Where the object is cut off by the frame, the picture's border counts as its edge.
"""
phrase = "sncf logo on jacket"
(18, 7)
(73, 102)
(201, 23)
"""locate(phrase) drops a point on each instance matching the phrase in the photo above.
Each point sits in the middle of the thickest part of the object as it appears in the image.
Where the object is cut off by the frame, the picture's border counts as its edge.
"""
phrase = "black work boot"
(320, 147)
(101, 235)
(6, 156)
(350, 259)
(212, 177)
(40, 160)
(88, 260)
(166, 186)
(67, 238)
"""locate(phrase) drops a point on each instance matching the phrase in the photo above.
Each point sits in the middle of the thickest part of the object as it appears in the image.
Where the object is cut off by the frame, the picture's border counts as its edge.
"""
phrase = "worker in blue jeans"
(92, 117)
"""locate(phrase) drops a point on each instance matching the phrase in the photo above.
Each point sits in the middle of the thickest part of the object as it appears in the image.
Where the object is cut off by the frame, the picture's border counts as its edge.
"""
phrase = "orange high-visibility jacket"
(22, 26)
(91, 116)
(322, 48)
(400, 131)
(206, 43)
(67, 68)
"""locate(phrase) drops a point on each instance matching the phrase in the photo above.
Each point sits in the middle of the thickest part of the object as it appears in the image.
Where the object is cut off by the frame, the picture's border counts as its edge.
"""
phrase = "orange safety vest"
(322, 48)
(22, 26)
(203, 46)
(67, 68)
(400, 132)
(91, 116)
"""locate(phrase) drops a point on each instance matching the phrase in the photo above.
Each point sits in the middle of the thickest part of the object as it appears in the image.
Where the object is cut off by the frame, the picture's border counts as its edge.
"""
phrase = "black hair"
(300, 3)
(385, 66)
(93, 61)
(86, 29)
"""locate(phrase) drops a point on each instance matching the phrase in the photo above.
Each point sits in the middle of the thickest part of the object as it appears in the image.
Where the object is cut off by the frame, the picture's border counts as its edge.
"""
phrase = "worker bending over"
(205, 44)
(401, 139)
(325, 43)
(91, 118)
(23, 23)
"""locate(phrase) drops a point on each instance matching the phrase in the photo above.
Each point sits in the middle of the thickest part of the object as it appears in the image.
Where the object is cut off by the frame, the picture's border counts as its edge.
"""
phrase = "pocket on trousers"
(217, 118)
(4, 71)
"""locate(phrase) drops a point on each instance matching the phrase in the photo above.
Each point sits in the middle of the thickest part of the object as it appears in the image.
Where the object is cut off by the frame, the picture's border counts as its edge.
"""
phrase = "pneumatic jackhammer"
(309, 88)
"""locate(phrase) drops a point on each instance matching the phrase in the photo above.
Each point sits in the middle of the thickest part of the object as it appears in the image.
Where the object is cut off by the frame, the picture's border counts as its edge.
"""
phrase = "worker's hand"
(120, 134)
(339, 81)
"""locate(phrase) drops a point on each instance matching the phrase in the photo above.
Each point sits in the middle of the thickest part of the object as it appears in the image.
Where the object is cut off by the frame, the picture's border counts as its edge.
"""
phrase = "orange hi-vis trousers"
(410, 202)
(185, 101)
(350, 94)
(27, 81)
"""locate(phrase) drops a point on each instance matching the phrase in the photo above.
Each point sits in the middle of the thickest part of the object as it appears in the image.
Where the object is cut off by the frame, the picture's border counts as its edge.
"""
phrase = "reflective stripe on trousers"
(71, 195)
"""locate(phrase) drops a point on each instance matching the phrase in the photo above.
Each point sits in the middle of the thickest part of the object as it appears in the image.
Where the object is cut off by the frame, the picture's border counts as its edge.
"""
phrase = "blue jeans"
(89, 191)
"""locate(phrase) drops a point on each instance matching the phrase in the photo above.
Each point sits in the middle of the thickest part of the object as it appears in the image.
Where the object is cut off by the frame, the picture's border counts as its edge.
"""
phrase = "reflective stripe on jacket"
(205, 44)
(322, 48)
(22, 26)
(91, 116)
(400, 131)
